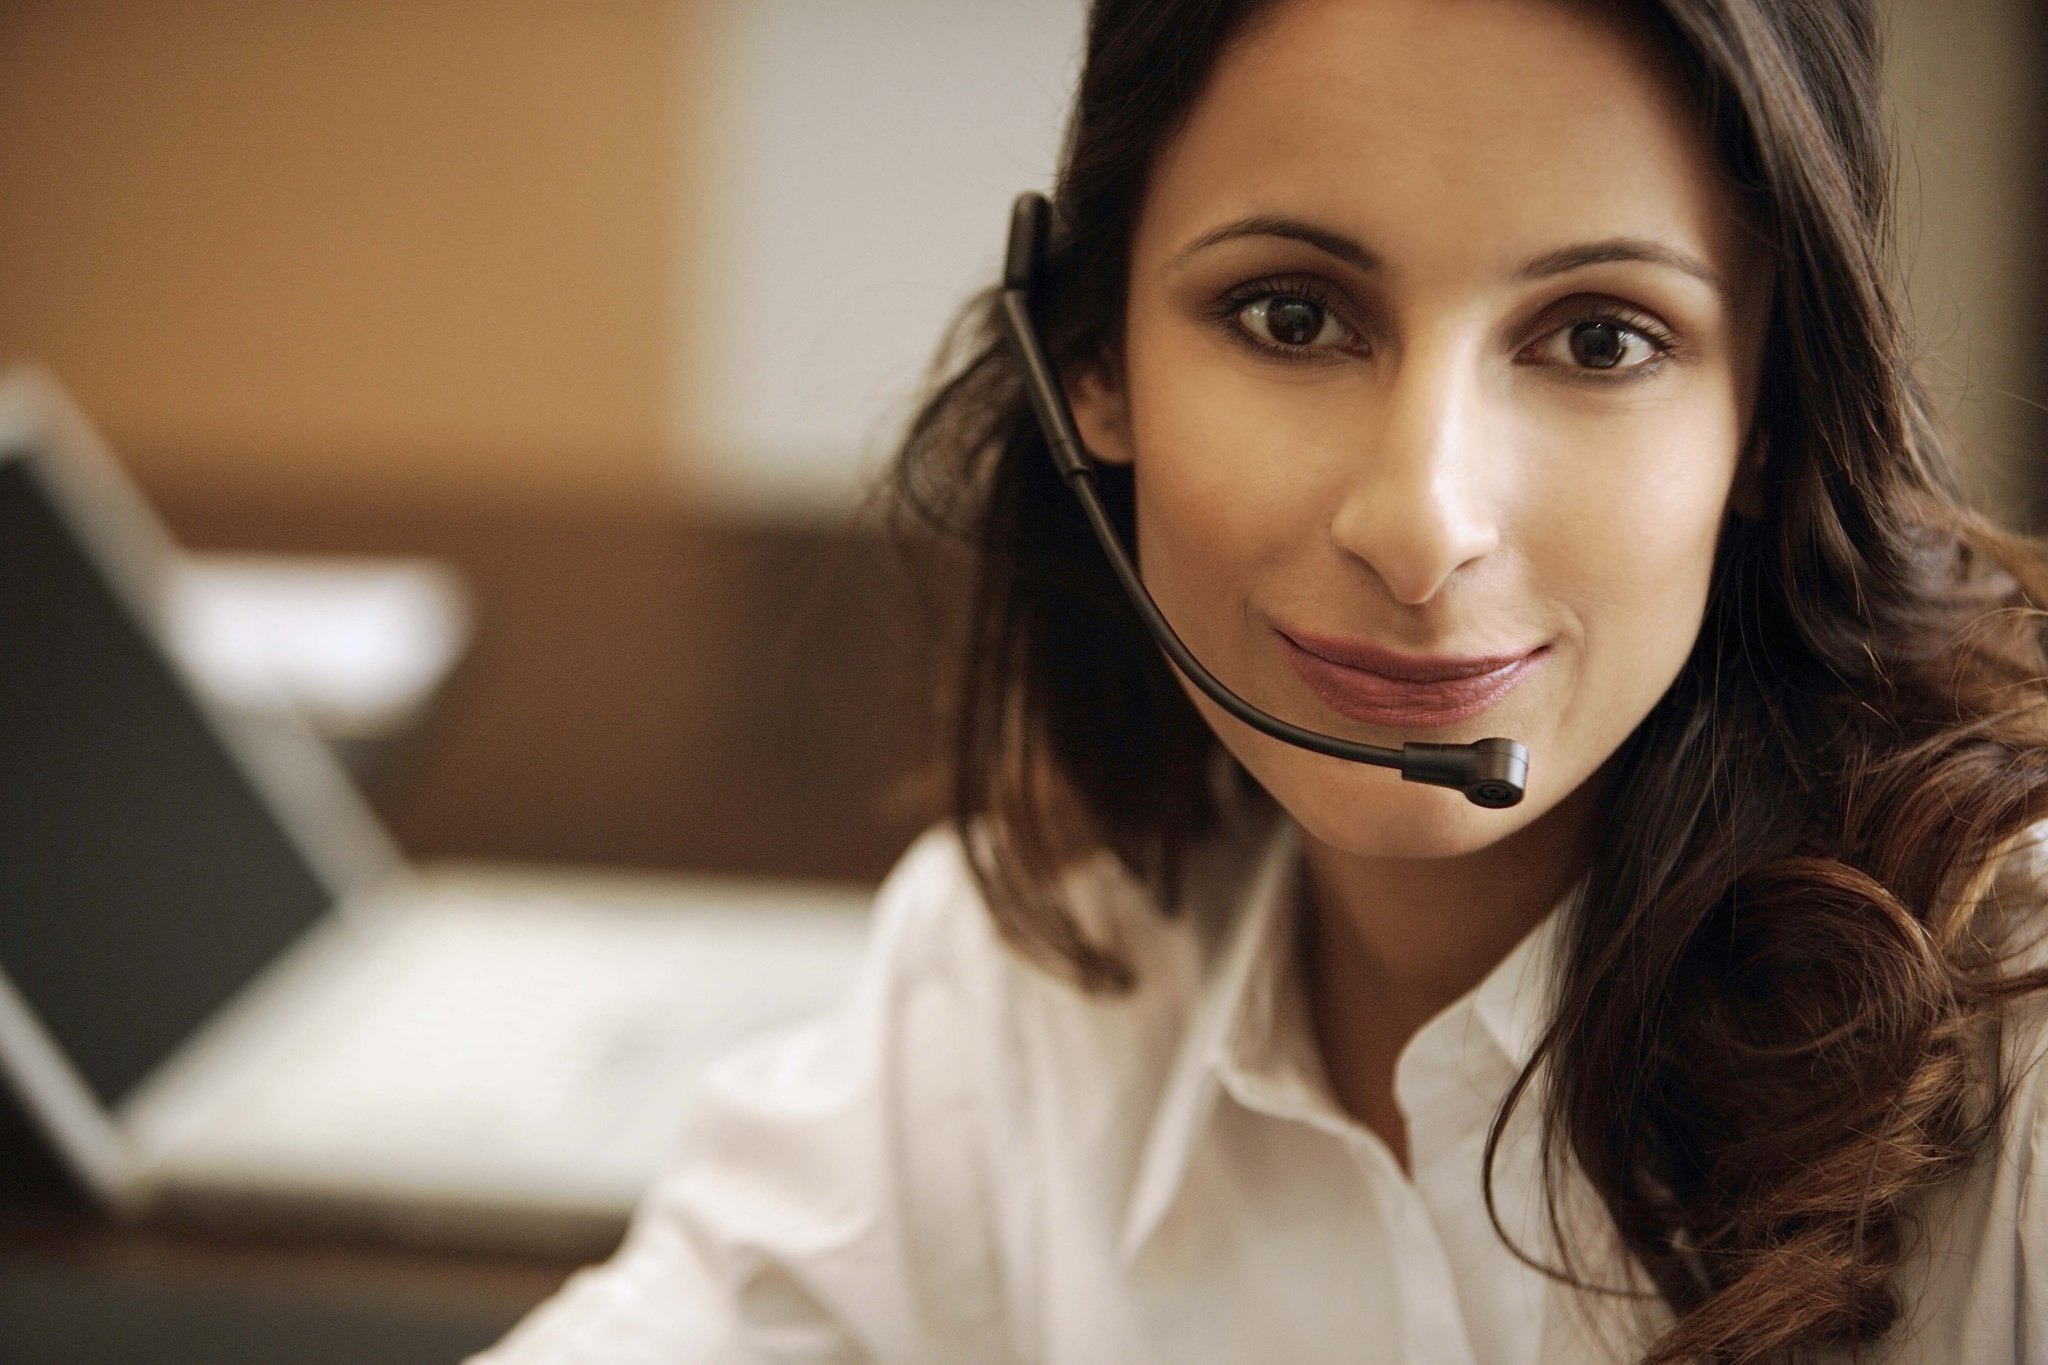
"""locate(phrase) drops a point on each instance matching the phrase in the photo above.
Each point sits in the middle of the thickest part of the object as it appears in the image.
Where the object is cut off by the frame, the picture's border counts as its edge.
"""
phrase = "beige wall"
(378, 248)
(1967, 80)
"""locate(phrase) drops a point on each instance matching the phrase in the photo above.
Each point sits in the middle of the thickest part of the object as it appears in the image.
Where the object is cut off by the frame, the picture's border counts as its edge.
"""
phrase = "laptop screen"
(143, 879)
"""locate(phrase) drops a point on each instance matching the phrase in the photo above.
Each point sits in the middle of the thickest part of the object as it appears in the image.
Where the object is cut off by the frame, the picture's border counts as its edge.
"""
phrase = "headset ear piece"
(1030, 228)
(1037, 235)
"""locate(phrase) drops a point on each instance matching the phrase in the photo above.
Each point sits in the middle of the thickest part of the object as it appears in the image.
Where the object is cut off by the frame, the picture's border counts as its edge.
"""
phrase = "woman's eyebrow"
(1354, 253)
(1325, 240)
(1623, 249)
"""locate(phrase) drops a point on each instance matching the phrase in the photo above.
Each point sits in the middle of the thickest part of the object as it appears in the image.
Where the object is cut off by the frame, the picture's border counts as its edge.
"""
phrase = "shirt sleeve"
(831, 1201)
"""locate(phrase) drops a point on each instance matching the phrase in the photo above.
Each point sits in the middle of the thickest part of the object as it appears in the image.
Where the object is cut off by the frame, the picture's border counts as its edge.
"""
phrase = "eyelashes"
(1289, 317)
(1599, 341)
(1299, 320)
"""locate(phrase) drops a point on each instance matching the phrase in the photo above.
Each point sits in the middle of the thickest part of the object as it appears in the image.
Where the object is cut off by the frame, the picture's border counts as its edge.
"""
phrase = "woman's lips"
(1379, 687)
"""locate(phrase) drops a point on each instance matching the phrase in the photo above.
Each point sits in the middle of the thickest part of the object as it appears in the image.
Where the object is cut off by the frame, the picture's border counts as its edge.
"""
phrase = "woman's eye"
(1598, 345)
(1291, 322)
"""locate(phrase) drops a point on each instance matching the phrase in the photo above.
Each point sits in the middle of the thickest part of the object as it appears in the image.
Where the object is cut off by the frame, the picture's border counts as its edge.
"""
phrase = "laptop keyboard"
(529, 1034)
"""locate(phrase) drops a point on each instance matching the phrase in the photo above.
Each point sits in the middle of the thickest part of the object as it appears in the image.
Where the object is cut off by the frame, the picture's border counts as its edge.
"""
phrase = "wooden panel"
(402, 245)
(654, 689)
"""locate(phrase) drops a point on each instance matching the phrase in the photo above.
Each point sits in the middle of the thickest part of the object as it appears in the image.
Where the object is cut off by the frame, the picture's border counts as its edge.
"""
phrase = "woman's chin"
(1418, 823)
(1372, 813)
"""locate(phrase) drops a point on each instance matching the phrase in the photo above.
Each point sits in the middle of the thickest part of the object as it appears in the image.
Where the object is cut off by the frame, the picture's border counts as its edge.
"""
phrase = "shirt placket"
(1448, 1086)
(1433, 1324)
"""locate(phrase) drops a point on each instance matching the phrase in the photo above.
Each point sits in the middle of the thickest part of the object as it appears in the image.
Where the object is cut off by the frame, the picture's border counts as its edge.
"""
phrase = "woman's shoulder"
(2024, 1074)
(1032, 1042)
(2018, 945)
(933, 921)
(2022, 952)
(1979, 1288)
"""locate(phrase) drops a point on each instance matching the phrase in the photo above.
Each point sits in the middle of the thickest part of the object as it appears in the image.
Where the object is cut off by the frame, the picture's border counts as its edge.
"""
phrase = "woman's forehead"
(1493, 130)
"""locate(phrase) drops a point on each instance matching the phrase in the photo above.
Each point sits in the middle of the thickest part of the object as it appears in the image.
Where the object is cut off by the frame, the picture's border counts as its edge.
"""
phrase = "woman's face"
(1441, 349)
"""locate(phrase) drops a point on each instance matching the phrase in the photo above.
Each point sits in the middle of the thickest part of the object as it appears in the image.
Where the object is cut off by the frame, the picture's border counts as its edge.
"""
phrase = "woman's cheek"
(1228, 476)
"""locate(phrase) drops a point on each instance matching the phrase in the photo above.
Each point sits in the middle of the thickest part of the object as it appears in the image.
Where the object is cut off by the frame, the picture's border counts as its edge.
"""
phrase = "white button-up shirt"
(975, 1162)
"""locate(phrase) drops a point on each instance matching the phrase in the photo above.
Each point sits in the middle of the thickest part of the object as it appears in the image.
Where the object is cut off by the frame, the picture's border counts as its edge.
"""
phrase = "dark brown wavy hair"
(1777, 1014)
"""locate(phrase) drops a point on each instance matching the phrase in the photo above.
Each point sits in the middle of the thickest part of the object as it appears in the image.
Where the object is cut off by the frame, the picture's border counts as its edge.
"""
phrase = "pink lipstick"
(1376, 686)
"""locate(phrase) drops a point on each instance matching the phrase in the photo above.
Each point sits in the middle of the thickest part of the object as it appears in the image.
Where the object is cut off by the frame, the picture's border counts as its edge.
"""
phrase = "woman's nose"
(1420, 504)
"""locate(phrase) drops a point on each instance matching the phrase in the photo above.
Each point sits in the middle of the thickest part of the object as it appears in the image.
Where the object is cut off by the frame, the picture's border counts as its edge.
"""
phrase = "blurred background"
(615, 306)
(612, 310)
(612, 305)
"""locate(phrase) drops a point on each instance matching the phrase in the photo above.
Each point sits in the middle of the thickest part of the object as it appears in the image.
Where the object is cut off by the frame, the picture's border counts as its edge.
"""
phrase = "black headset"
(1491, 772)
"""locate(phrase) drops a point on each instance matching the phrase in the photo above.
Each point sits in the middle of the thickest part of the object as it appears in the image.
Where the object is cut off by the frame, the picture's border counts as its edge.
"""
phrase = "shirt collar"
(1249, 929)
(1515, 999)
(1249, 1035)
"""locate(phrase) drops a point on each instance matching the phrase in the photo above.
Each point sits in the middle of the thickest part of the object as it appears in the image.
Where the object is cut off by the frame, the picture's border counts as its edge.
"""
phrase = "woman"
(1505, 367)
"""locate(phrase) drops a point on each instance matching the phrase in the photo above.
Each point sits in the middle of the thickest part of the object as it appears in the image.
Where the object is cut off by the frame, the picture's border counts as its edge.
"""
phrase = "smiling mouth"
(1376, 686)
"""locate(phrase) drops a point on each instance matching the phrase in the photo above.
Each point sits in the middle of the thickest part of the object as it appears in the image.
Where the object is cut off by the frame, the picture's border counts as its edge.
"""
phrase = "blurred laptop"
(221, 988)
